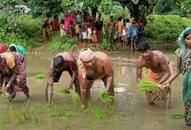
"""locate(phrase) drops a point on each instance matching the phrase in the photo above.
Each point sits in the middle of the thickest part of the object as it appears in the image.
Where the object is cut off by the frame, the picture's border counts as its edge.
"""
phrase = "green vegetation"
(19, 29)
(105, 97)
(165, 29)
(178, 116)
(39, 77)
(63, 90)
(97, 112)
(61, 44)
(6, 95)
(164, 20)
(145, 85)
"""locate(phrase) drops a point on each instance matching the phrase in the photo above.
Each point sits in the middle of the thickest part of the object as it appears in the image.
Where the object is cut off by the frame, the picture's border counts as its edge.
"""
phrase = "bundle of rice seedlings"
(63, 90)
(178, 116)
(75, 98)
(97, 112)
(6, 95)
(39, 76)
(105, 97)
(145, 85)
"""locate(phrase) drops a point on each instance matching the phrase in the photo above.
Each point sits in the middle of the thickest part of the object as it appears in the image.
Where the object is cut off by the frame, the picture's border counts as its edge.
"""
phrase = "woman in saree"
(184, 66)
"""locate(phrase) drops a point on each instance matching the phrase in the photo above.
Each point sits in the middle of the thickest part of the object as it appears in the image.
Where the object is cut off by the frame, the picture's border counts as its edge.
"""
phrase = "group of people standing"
(88, 29)
(90, 66)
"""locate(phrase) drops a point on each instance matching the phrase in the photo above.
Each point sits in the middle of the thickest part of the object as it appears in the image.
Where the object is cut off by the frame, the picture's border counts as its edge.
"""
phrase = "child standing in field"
(89, 33)
(133, 35)
(124, 36)
(46, 26)
(77, 30)
(94, 37)
(84, 36)
(62, 29)
(119, 28)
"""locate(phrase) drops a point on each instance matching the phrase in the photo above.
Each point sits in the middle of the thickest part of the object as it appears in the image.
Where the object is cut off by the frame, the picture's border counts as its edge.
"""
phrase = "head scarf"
(19, 49)
(181, 40)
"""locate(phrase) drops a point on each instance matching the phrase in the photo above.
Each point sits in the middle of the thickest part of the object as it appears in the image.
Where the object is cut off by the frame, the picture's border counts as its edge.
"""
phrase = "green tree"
(40, 7)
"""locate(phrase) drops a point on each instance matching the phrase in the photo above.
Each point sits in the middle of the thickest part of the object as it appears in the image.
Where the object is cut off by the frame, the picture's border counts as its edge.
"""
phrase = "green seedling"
(105, 97)
(178, 116)
(39, 77)
(145, 85)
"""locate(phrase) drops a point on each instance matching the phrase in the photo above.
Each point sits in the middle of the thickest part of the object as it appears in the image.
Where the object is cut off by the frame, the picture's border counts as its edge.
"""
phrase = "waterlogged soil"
(130, 110)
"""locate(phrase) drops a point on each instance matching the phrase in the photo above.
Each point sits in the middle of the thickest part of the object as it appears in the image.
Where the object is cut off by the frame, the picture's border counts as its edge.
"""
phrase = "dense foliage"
(20, 29)
(165, 28)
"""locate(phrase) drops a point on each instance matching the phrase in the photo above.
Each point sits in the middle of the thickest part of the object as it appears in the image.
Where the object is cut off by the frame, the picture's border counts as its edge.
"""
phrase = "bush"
(20, 29)
(165, 28)
(61, 44)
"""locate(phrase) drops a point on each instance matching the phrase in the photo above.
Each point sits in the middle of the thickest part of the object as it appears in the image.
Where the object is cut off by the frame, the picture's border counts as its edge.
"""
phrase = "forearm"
(13, 77)
(71, 82)
(109, 83)
(164, 78)
(139, 74)
(174, 76)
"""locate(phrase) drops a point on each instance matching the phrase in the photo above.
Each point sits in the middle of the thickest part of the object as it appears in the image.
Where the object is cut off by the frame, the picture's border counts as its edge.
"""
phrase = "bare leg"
(49, 93)
(26, 92)
(85, 93)
(168, 99)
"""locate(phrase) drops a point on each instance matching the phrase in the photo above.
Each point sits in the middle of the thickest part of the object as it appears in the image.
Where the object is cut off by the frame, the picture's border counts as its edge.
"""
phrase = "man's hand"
(166, 84)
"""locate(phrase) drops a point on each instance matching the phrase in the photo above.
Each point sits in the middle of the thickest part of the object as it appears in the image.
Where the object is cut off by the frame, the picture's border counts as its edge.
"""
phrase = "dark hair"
(12, 48)
(127, 20)
(186, 34)
(111, 17)
(120, 18)
(58, 61)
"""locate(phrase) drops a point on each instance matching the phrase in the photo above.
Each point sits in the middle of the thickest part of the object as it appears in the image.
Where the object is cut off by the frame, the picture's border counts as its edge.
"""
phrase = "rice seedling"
(67, 117)
(25, 115)
(74, 95)
(39, 77)
(63, 90)
(75, 98)
(97, 113)
(6, 95)
(3, 121)
(178, 116)
(145, 85)
(55, 111)
(105, 97)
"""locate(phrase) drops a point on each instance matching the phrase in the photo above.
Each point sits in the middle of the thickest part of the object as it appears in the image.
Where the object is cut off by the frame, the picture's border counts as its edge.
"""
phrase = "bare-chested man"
(62, 62)
(159, 71)
(93, 66)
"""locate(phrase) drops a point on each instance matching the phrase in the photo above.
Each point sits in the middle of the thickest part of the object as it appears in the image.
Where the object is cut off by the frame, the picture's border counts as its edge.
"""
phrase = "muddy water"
(130, 110)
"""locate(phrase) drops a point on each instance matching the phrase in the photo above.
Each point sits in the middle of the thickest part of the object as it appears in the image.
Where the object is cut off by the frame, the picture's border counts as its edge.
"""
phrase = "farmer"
(61, 62)
(159, 71)
(93, 66)
(13, 74)
(183, 66)
(17, 48)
